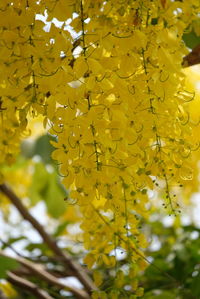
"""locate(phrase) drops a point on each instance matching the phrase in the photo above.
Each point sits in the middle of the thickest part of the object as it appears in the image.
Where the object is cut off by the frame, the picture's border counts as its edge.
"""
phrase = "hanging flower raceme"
(109, 81)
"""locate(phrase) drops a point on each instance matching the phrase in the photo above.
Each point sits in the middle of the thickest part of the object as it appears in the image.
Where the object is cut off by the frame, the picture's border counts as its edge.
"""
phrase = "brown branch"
(192, 58)
(24, 284)
(56, 273)
(10, 246)
(39, 271)
(67, 260)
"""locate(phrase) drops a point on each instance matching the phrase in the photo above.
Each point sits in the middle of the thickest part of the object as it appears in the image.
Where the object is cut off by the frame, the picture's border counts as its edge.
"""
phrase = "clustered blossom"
(110, 84)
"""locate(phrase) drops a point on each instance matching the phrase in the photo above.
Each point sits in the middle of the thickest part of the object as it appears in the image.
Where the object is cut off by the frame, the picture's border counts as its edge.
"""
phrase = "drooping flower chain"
(110, 84)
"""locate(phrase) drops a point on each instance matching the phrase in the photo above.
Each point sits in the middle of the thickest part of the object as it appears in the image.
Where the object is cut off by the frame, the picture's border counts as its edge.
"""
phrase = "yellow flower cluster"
(109, 80)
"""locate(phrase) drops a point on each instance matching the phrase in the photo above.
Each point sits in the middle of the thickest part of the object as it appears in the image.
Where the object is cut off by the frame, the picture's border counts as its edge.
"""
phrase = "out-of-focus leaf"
(11, 241)
(54, 197)
(191, 39)
(45, 186)
(44, 149)
(7, 264)
(27, 148)
(39, 183)
(60, 229)
(40, 147)
(42, 246)
(195, 286)
(160, 295)
(160, 264)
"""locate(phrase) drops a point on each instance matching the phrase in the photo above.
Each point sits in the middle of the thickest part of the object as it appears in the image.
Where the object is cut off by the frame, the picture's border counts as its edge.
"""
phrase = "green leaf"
(46, 187)
(160, 295)
(11, 241)
(39, 183)
(42, 246)
(54, 197)
(27, 148)
(7, 264)
(40, 147)
(60, 228)
(195, 286)
(44, 149)
(191, 39)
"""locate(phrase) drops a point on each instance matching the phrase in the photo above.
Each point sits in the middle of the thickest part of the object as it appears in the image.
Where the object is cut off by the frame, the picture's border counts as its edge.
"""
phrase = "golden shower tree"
(106, 78)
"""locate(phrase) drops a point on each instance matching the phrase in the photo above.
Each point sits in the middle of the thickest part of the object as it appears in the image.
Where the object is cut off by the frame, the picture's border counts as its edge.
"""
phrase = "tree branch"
(56, 273)
(67, 260)
(27, 285)
(192, 58)
(39, 271)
